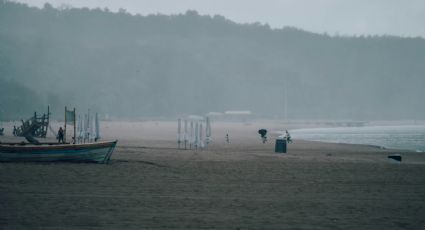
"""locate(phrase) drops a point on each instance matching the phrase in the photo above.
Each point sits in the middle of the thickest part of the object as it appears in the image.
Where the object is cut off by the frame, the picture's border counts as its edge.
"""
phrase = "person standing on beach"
(60, 135)
(227, 138)
(288, 137)
(263, 133)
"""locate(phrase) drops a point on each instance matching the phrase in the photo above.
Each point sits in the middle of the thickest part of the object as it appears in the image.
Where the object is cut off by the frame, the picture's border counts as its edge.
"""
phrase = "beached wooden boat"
(97, 152)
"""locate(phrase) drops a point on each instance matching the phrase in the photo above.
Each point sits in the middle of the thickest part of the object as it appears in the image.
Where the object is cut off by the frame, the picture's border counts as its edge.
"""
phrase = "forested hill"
(132, 66)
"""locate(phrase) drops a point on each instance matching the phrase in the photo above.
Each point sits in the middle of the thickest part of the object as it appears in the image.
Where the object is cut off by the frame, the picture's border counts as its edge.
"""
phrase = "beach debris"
(396, 157)
(263, 133)
(36, 126)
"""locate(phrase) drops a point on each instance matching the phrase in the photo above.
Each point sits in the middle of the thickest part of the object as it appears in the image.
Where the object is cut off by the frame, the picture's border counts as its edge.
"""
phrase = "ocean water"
(409, 137)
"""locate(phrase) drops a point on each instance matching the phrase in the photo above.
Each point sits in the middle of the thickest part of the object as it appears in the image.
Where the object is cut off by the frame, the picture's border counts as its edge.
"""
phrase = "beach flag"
(70, 116)
(70, 119)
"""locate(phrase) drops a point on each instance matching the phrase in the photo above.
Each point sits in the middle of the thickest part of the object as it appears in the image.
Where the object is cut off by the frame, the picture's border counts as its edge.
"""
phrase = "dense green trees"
(141, 66)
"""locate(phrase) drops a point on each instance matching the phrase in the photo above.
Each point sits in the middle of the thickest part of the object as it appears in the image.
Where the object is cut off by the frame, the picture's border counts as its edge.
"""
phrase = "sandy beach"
(151, 184)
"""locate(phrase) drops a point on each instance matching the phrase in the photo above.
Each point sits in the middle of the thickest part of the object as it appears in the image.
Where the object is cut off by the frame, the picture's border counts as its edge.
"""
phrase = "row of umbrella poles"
(193, 134)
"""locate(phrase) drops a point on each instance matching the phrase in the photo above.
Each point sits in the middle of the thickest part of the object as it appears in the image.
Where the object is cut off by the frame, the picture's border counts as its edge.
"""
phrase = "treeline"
(131, 66)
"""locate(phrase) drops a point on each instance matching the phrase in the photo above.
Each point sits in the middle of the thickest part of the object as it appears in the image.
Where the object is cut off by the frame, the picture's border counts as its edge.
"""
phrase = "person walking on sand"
(288, 137)
(263, 133)
(60, 135)
(227, 138)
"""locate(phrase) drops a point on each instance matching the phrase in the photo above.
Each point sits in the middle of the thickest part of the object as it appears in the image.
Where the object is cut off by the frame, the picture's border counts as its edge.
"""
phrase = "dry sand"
(150, 184)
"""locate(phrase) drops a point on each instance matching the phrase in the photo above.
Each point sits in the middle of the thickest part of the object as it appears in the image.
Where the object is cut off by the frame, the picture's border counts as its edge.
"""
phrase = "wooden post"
(75, 127)
(179, 130)
(48, 119)
(201, 138)
(185, 134)
(88, 126)
(64, 129)
(191, 135)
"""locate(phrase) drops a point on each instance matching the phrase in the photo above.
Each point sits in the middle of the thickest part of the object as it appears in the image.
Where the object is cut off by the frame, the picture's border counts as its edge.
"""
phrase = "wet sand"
(150, 184)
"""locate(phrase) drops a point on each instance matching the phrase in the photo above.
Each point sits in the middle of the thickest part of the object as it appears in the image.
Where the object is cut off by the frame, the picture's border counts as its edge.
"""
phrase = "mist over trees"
(132, 66)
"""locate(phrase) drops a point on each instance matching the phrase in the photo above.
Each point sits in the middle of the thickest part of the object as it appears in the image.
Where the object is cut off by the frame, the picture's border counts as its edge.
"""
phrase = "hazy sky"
(345, 17)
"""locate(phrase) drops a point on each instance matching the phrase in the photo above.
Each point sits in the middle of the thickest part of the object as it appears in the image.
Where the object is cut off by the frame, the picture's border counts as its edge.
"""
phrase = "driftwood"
(396, 157)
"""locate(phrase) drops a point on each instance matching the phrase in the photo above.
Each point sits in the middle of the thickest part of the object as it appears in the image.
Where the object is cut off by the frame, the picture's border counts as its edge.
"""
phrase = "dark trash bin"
(280, 146)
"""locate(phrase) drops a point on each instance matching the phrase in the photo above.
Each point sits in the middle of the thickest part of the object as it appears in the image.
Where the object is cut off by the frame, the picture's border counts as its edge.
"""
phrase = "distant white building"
(238, 112)
(195, 118)
(214, 114)
(237, 115)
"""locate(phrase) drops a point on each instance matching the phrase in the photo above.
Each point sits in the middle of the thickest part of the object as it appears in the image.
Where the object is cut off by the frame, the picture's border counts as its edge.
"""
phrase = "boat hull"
(98, 152)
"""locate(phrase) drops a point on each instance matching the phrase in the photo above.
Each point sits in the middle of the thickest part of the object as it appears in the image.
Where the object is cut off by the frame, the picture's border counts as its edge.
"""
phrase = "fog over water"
(407, 137)
(129, 66)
